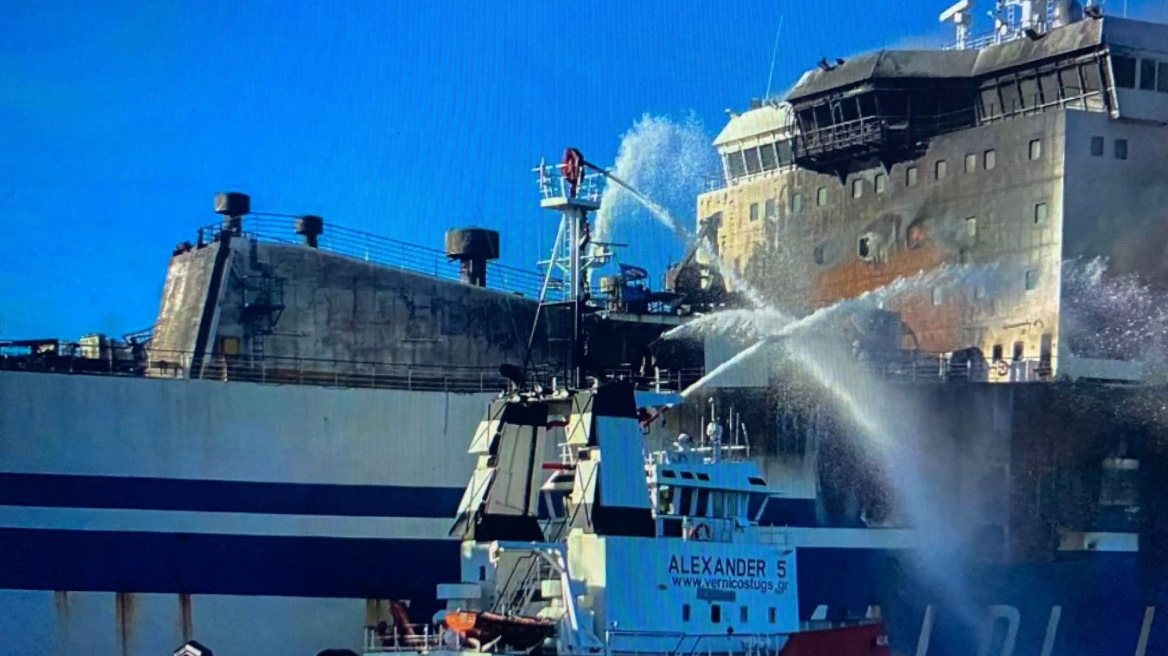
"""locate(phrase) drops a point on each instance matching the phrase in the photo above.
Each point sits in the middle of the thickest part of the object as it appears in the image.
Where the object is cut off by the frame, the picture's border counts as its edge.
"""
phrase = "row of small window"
(766, 157)
(1040, 214)
(1097, 147)
(716, 614)
(1146, 74)
(1030, 282)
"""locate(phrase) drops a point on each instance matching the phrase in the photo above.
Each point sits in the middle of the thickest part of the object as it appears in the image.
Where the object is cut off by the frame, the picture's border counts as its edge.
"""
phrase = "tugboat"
(614, 548)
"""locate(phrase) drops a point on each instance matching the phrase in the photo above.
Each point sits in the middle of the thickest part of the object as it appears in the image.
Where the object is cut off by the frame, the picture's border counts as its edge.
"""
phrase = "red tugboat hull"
(868, 639)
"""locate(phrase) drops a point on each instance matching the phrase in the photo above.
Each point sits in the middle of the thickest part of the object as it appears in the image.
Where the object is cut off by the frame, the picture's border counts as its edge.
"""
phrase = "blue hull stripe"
(1103, 599)
(37, 559)
(125, 492)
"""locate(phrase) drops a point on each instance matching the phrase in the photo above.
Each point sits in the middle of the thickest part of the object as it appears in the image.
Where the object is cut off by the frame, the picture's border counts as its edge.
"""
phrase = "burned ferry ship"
(275, 453)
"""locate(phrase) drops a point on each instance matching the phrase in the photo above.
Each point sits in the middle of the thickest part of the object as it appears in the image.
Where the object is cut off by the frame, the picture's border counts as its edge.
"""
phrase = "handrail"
(381, 250)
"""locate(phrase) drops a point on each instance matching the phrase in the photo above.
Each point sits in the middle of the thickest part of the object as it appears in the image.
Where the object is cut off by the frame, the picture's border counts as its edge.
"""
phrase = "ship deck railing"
(425, 638)
(383, 251)
(328, 373)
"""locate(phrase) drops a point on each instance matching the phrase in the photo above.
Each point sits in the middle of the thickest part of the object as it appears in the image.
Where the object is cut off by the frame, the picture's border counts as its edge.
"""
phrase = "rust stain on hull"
(124, 611)
(186, 618)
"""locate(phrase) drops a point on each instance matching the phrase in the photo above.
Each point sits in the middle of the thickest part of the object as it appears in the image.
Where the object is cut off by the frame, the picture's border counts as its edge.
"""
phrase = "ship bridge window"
(753, 163)
(703, 508)
(1123, 71)
(1148, 74)
(767, 154)
(754, 505)
(685, 501)
(735, 165)
(719, 504)
(687, 475)
(703, 476)
(668, 473)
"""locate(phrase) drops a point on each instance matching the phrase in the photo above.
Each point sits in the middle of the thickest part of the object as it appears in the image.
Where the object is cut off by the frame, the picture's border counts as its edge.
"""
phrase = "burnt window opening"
(769, 211)
(1148, 74)
(1019, 351)
(1035, 149)
(821, 196)
(910, 176)
(881, 183)
(971, 227)
(1040, 214)
(989, 159)
(970, 162)
(857, 188)
(997, 353)
(817, 254)
(1097, 146)
(1123, 71)
(796, 203)
(914, 236)
(754, 211)
(1121, 149)
(864, 247)
(941, 169)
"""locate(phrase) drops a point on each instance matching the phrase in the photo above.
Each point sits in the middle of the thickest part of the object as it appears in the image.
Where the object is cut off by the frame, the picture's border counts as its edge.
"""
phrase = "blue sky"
(119, 121)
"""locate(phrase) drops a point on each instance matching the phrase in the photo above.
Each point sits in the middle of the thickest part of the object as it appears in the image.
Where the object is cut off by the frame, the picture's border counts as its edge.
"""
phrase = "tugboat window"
(743, 614)
(796, 203)
(716, 614)
(1148, 74)
(864, 248)
(1123, 69)
(771, 614)
(1162, 78)
(769, 208)
(1097, 146)
(703, 508)
(685, 612)
(997, 352)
